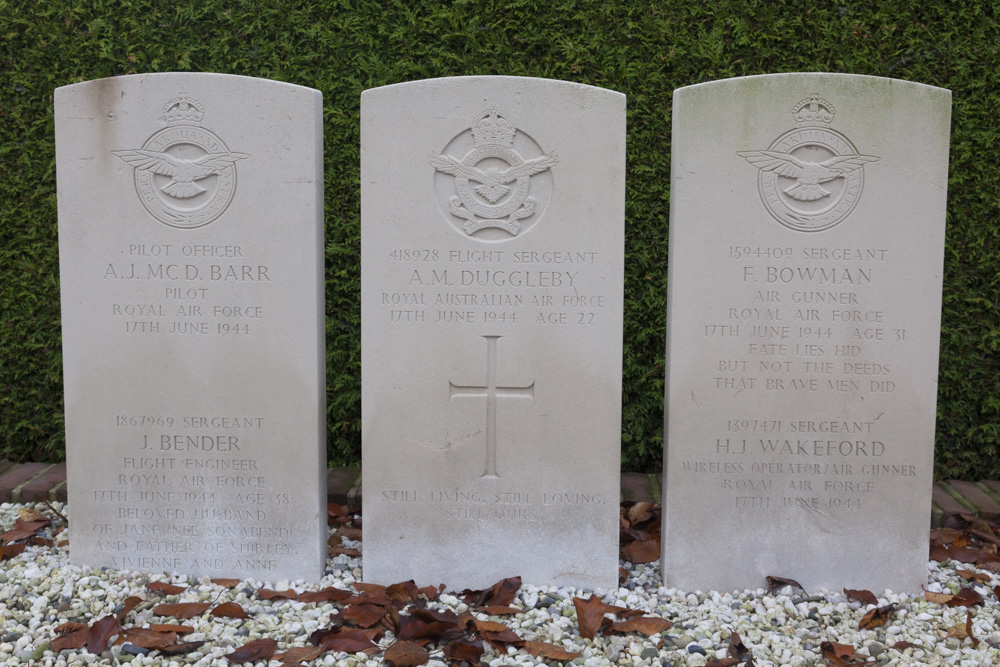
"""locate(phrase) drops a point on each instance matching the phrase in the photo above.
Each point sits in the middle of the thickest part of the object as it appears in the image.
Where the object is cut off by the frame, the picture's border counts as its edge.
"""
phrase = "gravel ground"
(40, 591)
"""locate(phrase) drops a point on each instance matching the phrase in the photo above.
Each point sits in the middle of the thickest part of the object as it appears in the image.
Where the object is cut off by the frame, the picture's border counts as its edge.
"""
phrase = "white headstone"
(492, 278)
(190, 243)
(806, 250)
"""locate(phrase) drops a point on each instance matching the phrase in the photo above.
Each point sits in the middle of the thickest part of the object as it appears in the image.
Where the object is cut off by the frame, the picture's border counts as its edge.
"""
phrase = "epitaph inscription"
(484, 246)
(802, 356)
(191, 347)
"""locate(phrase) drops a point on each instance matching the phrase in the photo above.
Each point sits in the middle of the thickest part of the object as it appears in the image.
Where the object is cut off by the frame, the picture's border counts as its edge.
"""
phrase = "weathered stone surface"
(807, 236)
(190, 234)
(492, 273)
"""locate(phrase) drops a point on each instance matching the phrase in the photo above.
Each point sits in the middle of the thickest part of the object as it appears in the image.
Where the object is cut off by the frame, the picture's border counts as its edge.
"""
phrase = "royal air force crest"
(185, 175)
(811, 177)
(500, 184)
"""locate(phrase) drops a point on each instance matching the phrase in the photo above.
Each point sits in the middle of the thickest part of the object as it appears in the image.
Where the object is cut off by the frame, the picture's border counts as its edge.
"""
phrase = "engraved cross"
(491, 391)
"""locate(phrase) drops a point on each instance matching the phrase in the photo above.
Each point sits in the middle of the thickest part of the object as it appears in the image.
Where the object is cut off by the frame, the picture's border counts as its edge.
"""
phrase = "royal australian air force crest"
(493, 182)
(810, 178)
(185, 175)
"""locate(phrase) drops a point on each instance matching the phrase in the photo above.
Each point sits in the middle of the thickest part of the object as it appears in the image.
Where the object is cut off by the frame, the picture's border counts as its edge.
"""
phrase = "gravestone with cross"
(492, 222)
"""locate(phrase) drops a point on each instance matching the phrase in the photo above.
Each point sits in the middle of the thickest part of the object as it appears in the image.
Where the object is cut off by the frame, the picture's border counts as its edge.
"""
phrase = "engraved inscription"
(811, 177)
(492, 187)
(491, 391)
(185, 175)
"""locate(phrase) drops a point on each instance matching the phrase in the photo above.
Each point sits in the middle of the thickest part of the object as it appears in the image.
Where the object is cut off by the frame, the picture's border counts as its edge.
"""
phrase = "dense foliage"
(643, 48)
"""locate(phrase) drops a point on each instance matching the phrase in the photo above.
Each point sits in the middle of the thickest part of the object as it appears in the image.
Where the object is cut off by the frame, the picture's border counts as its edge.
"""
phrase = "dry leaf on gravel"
(549, 651)
(229, 610)
(100, 633)
(877, 617)
(406, 654)
(299, 654)
(181, 649)
(259, 649)
(862, 596)
(164, 587)
(646, 625)
(182, 610)
(589, 615)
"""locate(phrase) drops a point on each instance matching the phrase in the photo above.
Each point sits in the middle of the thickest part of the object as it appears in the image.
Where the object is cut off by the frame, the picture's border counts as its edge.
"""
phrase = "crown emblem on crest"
(493, 129)
(813, 110)
(183, 110)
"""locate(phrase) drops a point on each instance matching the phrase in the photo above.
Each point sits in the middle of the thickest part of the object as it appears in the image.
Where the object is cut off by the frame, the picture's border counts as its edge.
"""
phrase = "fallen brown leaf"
(148, 638)
(268, 594)
(343, 551)
(334, 509)
(640, 512)
(350, 532)
(182, 610)
(862, 596)
(326, 595)
(75, 640)
(128, 605)
(646, 625)
(164, 587)
(972, 575)
(363, 615)
(403, 592)
(11, 550)
(369, 589)
(902, 646)
(501, 593)
(229, 610)
(503, 611)
(227, 583)
(299, 654)
(965, 598)
(70, 626)
(30, 514)
(259, 649)
(937, 598)
(642, 551)
(347, 640)
(22, 530)
(877, 617)
(100, 634)
(549, 651)
(968, 629)
(181, 649)
(464, 649)
(171, 627)
(406, 654)
(777, 583)
(589, 615)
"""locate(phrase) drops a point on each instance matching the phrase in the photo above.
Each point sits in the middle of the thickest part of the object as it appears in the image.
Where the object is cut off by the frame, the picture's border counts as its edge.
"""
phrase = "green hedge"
(643, 48)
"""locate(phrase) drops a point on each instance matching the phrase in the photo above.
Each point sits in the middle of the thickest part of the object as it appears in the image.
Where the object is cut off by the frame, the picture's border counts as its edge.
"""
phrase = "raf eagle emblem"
(183, 173)
(809, 176)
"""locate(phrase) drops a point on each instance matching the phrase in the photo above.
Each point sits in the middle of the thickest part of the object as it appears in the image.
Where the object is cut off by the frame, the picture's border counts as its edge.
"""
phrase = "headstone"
(806, 251)
(190, 243)
(492, 276)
